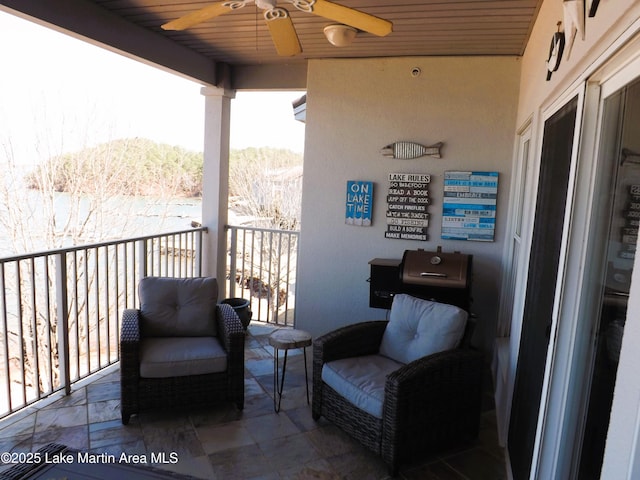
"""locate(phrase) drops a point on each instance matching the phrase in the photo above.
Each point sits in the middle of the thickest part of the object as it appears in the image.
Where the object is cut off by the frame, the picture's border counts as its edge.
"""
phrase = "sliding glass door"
(613, 237)
(546, 247)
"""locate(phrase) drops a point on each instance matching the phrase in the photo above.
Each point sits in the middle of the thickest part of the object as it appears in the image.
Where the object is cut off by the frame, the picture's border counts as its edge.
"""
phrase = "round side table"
(286, 339)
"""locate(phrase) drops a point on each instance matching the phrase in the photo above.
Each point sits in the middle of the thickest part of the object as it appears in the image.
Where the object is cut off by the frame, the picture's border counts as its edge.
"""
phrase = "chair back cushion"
(178, 307)
(418, 328)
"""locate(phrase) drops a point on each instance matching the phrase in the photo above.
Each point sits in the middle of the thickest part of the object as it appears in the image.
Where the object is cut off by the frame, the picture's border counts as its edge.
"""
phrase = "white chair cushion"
(418, 328)
(360, 380)
(162, 357)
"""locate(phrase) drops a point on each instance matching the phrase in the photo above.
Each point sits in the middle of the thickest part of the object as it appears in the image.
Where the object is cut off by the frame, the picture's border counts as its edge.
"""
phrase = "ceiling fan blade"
(351, 16)
(284, 35)
(198, 16)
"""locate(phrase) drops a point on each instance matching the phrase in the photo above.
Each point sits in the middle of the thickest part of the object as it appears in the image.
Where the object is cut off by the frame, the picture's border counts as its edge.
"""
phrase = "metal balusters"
(60, 310)
(262, 268)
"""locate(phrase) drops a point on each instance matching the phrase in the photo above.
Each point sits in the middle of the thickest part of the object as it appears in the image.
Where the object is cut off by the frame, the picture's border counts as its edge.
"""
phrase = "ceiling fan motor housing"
(266, 4)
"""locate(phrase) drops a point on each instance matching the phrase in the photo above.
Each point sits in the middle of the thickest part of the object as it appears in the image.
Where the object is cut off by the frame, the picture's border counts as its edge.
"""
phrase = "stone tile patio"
(224, 443)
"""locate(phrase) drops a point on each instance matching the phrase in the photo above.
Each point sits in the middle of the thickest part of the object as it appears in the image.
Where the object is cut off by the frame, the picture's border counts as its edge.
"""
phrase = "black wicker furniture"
(180, 349)
(426, 404)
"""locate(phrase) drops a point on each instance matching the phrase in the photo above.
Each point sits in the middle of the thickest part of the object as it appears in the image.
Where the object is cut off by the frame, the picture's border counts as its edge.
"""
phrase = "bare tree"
(266, 189)
(265, 185)
(64, 200)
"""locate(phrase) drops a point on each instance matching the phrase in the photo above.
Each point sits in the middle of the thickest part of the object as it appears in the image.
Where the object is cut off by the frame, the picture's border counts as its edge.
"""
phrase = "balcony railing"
(60, 310)
(262, 268)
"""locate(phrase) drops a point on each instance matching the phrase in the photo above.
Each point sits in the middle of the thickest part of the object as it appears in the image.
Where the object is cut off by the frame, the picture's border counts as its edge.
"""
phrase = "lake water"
(122, 217)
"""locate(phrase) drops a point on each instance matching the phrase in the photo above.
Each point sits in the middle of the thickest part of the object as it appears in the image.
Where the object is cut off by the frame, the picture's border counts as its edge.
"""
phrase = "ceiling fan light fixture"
(340, 35)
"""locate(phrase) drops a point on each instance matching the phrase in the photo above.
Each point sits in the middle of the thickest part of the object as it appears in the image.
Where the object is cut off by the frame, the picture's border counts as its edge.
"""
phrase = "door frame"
(547, 441)
(520, 198)
(560, 427)
(623, 450)
(515, 277)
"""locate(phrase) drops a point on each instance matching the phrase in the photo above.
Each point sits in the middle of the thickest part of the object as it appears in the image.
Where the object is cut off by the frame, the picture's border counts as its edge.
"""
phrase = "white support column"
(215, 180)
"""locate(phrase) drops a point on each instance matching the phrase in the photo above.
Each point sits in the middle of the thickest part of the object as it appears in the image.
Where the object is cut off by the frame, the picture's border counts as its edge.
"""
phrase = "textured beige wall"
(613, 17)
(354, 108)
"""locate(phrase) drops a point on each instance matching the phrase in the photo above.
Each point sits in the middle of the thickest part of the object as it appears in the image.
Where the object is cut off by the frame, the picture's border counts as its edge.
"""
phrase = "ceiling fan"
(281, 28)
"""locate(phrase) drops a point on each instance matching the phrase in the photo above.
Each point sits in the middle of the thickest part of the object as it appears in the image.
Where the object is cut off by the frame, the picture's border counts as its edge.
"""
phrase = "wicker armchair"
(181, 348)
(429, 403)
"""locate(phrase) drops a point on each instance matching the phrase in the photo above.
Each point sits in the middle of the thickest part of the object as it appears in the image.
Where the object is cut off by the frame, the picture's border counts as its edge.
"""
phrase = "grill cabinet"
(438, 276)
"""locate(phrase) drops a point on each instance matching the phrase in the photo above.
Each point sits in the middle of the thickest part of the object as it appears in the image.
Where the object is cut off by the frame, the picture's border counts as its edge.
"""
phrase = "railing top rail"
(258, 229)
(25, 256)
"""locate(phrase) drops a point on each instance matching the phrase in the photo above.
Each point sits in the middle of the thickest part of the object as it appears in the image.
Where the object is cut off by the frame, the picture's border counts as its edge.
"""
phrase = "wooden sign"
(469, 206)
(359, 204)
(407, 201)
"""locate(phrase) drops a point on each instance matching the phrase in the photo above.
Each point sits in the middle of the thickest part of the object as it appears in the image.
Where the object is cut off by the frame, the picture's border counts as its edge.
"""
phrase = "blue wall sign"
(469, 206)
(359, 203)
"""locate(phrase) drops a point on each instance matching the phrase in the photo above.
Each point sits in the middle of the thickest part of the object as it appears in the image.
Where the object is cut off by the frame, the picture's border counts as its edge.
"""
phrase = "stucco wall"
(354, 108)
(601, 31)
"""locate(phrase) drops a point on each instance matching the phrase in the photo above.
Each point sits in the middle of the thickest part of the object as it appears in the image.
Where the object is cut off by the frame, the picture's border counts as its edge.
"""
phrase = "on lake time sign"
(359, 204)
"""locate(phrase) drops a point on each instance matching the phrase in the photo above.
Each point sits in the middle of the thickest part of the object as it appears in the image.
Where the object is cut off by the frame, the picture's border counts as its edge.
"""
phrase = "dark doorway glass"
(555, 164)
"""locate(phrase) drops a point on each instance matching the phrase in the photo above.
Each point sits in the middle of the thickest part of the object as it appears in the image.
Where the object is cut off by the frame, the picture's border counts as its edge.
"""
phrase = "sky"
(59, 94)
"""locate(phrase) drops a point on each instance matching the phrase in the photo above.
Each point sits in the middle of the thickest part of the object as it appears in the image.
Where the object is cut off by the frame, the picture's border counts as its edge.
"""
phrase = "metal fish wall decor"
(409, 150)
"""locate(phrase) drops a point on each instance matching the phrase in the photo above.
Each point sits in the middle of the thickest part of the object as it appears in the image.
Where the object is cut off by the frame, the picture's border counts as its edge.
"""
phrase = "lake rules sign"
(359, 203)
(469, 206)
(407, 201)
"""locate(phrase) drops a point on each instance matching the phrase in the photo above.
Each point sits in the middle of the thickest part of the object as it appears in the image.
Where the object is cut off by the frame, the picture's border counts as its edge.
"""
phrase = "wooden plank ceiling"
(420, 28)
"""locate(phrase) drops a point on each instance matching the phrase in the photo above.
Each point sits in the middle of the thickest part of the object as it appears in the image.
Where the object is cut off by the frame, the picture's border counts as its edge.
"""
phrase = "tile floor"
(223, 443)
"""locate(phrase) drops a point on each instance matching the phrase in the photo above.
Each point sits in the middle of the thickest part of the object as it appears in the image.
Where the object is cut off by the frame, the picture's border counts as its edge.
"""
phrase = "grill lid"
(435, 269)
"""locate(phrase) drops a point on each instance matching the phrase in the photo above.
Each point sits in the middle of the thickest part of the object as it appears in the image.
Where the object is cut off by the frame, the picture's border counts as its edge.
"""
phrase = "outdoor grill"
(438, 276)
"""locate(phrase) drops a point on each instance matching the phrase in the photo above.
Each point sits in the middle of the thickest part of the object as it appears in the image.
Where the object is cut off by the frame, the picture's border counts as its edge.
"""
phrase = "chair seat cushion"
(360, 380)
(181, 356)
(418, 328)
